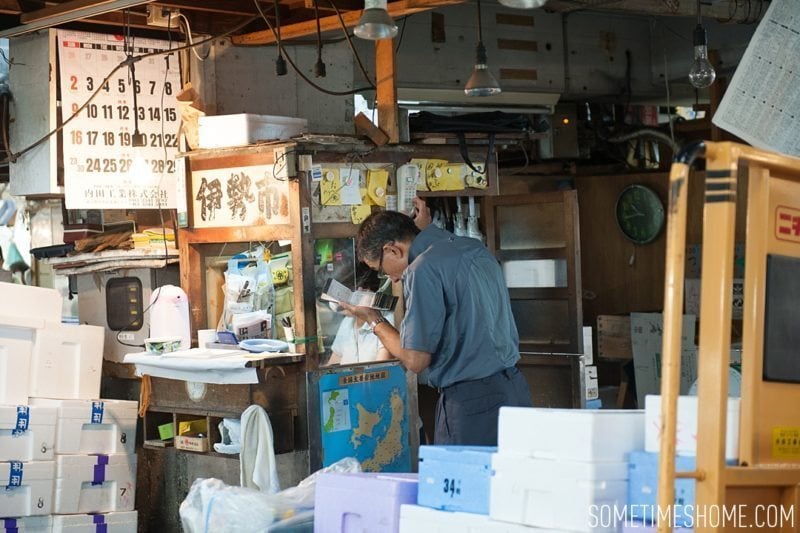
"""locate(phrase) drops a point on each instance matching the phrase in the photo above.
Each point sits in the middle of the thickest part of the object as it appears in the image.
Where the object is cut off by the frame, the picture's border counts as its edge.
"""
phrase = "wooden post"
(387, 89)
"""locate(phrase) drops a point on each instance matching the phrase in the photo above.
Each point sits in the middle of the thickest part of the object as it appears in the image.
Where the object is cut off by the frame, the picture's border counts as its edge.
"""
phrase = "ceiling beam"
(343, 5)
(719, 9)
(301, 29)
(67, 12)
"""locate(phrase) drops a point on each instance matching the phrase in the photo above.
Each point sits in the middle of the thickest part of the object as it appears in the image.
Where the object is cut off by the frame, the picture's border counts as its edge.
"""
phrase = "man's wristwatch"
(374, 323)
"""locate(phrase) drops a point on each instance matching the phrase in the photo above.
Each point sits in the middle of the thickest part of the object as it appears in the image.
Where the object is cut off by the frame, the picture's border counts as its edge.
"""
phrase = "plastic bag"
(249, 289)
(211, 505)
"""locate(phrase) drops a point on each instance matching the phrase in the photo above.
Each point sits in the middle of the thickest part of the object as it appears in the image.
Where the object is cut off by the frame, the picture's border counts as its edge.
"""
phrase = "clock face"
(640, 213)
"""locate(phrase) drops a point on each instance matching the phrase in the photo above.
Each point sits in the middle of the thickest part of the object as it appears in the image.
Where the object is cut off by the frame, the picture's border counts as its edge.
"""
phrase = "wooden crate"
(614, 337)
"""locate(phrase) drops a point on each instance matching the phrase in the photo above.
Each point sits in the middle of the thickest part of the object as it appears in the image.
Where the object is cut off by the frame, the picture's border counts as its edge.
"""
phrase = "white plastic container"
(244, 128)
(34, 496)
(686, 429)
(94, 483)
(16, 346)
(29, 307)
(557, 494)
(28, 524)
(570, 434)
(27, 433)
(418, 519)
(121, 522)
(100, 426)
(67, 362)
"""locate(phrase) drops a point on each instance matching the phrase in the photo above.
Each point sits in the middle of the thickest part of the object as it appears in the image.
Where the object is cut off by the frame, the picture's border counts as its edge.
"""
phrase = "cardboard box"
(192, 435)
(191, 444)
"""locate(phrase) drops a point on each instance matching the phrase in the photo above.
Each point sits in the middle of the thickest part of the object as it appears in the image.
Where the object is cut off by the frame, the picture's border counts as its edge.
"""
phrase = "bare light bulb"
(702, 74)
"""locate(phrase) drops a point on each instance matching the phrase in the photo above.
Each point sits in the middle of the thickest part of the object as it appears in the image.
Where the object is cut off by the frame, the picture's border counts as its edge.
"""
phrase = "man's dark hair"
(381, 228)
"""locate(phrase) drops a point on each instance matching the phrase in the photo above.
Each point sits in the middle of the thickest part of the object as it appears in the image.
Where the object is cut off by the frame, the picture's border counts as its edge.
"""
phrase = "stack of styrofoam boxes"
(454, 484)
(564, 469)
(27, 434)
(642, 495)
(95, 464)
(360, 502)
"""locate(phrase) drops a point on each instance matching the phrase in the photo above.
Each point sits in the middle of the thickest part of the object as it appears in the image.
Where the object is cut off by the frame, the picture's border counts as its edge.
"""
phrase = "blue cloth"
(457, 309)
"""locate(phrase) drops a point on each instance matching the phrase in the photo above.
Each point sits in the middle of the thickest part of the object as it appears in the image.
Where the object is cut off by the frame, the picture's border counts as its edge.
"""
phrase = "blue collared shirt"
(457, 309)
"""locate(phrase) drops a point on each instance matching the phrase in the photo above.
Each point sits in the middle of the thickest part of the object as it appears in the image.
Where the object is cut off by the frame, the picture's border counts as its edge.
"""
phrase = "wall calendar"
(102, 167)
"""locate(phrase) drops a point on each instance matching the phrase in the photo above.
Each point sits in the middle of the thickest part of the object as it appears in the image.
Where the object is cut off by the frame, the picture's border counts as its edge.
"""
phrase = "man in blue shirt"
(458, 331)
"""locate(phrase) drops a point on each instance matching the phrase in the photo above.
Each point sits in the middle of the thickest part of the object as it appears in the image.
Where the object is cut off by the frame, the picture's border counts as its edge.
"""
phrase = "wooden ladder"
(766, 480)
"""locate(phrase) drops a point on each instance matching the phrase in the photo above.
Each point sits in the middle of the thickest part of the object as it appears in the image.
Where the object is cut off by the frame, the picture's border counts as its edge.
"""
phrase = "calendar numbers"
(98, 141)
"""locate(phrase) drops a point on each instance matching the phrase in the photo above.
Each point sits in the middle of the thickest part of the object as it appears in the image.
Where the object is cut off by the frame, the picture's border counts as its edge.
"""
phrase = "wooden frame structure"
(767, 474)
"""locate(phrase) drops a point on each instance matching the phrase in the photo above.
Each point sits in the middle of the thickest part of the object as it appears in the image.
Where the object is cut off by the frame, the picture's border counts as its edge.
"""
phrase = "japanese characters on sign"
(102, 168)
(240, 196)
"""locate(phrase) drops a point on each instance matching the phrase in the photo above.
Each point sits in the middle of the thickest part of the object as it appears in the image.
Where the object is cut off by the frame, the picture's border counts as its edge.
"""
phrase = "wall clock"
(640, 213)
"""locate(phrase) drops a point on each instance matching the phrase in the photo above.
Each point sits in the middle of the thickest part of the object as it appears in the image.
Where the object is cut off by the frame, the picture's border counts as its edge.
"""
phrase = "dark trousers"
(467, 412)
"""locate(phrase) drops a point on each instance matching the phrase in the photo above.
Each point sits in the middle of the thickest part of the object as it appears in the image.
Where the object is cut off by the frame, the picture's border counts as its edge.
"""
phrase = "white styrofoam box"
(94, 483)
(557, 494)
(30, 307)
(67, 362)
(686, 429)
(646, 344)
(120, 522)
(244, 128)
(16, 346)
(28, 524)
(100, 426)
(419, 519)
(535, 273)
(27, 433)
(570, 434)
(34, 493)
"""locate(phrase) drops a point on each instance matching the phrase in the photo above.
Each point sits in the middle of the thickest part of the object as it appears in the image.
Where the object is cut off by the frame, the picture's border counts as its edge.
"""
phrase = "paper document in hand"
(761, 102)
(336, 292)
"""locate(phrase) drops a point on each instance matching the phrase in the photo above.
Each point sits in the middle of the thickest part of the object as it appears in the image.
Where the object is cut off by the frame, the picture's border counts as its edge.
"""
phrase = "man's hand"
(365, 314)
(422, 213)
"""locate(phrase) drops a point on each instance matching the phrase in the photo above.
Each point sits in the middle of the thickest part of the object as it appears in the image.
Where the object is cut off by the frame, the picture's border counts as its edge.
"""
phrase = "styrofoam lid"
(114, 459)
(82, 409)
(37, 416)
(31, 471)
(31, 522)
(551, 469)
(460, 454)
(89, 520)
(571, 413)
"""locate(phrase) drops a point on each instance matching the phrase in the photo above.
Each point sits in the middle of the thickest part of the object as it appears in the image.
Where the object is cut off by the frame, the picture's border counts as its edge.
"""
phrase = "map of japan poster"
(364, 414)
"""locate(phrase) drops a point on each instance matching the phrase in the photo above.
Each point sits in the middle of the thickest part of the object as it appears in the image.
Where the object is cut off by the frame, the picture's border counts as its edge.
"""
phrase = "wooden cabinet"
(536, 239)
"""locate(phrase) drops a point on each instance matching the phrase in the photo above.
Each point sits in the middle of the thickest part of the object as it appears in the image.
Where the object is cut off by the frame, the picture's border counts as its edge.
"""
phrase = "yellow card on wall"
(359, 212)
(376, 186)
(330, 188)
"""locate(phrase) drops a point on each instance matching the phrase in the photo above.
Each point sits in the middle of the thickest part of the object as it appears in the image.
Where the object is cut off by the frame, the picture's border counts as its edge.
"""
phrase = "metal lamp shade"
(375, 23)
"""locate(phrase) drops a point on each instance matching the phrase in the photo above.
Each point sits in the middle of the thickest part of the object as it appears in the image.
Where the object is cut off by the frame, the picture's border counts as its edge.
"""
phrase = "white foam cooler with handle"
(570, 434)
(99, 426)
(67, 362)
(566, 495)
(121, 522)
(419, 519)
(16, 346)
(94, 483)
(27, 433)
(28, 524)
(27, 488)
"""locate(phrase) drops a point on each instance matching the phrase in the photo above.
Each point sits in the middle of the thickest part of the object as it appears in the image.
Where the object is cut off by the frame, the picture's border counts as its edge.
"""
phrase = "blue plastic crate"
(455, 478)
(643, 488)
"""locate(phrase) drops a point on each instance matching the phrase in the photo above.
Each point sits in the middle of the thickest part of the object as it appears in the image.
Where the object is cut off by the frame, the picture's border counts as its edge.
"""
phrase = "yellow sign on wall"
(786, 442)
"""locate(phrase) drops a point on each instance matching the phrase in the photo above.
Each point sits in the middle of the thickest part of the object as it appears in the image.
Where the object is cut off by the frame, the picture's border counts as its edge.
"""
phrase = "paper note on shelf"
(350, 179)
(336, 292)
(376, 186)
(359, 212)
(330, 188)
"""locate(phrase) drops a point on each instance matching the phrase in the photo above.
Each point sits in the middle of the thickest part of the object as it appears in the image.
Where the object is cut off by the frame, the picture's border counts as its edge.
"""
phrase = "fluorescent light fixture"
(375, 23)
(67, 12)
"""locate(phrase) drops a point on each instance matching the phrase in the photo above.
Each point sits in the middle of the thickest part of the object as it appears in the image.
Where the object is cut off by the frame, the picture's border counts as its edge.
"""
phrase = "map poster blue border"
(364, 413)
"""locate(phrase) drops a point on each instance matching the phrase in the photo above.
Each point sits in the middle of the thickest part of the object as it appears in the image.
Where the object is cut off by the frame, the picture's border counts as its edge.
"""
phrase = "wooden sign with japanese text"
(239, 196)
(102, 168)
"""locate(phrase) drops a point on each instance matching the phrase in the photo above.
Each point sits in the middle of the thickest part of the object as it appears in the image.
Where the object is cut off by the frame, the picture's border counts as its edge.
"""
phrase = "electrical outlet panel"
(162, 17)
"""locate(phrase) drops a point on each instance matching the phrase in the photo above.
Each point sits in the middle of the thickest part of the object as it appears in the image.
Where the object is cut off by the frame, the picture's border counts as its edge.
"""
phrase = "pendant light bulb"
(702, 74)
(481, 82)
(375, 23)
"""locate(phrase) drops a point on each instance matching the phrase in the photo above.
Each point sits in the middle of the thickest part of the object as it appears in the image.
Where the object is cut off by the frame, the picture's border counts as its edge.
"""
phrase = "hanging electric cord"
(299, 72)
(189, 38)
(402, 32)
(280, 63)
(319, 66)
(13, 157)
(350, 43)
